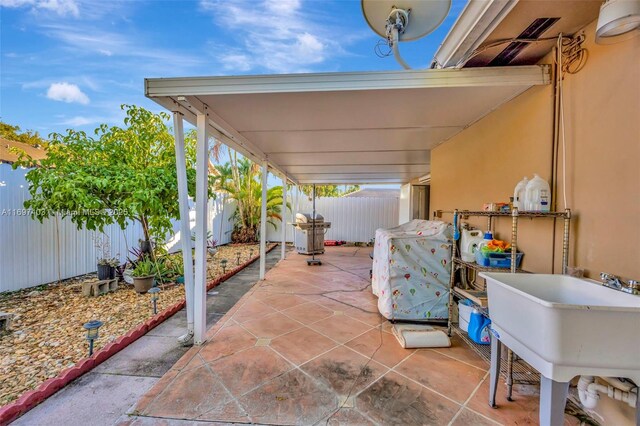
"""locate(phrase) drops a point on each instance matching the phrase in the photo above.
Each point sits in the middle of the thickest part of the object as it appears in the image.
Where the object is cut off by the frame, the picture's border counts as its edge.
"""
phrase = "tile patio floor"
(296, 349)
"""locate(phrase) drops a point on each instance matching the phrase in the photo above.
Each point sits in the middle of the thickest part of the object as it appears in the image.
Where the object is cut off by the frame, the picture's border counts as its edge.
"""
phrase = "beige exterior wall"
(602, 115)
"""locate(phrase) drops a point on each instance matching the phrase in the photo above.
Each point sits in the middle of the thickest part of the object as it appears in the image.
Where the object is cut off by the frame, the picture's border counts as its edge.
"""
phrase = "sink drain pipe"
(589, 391)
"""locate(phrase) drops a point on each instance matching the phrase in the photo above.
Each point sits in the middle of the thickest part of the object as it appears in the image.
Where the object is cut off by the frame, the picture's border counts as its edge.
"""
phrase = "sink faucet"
(617, 283)
(610, 280)
(633, 287)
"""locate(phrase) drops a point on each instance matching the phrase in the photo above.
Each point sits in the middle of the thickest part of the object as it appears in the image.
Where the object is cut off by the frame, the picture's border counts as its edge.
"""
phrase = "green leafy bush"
(144, 268)
(121, 174)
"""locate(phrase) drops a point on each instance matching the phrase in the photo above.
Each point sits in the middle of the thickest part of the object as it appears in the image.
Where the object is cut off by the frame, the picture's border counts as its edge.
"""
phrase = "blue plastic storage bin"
(497, 260)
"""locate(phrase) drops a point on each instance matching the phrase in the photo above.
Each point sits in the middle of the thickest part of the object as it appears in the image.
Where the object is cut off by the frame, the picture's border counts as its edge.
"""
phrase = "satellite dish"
(404, 20)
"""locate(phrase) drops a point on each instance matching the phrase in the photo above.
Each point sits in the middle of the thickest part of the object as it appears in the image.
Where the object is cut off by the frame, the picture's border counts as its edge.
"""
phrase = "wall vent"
(533, 31)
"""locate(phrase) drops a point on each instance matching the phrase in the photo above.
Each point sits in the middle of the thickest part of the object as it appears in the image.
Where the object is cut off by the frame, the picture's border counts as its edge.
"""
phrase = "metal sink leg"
(553, 398)
(494, 372)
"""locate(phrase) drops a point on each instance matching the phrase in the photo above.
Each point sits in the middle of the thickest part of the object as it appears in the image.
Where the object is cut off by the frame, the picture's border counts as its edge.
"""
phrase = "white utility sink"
(565, 327)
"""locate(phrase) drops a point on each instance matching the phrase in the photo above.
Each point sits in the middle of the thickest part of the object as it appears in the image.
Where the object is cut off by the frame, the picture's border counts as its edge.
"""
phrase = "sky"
(72, 63)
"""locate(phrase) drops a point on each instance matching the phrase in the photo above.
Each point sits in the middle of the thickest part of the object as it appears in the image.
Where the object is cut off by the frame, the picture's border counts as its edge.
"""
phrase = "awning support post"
(263, 221)
(202, 200)
(297, 206)
(296, 210)
(284, 218)
(185, 228)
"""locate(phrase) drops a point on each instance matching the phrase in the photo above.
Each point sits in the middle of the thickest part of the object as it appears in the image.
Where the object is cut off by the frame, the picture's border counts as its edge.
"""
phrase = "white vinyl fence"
(32, 253)
(353, 219)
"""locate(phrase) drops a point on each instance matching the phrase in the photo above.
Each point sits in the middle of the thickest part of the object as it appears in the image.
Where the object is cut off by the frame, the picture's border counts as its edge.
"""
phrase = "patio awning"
(363, 127)
(360, 127)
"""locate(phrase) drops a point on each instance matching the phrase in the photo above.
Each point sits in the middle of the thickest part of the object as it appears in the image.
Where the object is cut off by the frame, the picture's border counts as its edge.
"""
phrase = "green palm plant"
(239, 180)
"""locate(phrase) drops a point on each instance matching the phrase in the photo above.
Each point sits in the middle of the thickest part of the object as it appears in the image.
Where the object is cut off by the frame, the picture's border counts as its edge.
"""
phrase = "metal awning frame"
(181, 97)
(190, 108)
(184, 95)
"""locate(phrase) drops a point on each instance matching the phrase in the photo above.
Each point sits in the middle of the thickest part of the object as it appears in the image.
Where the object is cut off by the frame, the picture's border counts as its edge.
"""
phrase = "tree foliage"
(14, 133)
(329, 190)
(239, 179)
(121, 174)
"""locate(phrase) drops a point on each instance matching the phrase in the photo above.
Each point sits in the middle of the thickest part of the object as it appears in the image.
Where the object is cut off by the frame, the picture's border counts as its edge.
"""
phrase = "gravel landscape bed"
(46, 335)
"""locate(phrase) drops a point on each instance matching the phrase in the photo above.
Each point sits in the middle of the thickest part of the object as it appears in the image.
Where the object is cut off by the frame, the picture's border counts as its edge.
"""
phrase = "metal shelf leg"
(509, 375)
(451, 285)
(565, 241)
(494, 372)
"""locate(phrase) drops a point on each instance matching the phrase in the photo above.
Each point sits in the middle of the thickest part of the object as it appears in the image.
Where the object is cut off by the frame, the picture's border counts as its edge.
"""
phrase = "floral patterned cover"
(411, 270)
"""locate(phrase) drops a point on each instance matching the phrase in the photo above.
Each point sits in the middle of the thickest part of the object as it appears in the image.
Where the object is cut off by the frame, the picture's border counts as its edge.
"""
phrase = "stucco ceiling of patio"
(364, 127)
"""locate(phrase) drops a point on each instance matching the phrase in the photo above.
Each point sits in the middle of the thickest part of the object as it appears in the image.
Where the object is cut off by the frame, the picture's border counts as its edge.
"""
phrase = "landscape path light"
(92, 332)
(155, 295)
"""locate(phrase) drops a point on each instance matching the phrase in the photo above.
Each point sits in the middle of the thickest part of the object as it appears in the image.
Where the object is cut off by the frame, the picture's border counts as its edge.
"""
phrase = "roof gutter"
(476, 22)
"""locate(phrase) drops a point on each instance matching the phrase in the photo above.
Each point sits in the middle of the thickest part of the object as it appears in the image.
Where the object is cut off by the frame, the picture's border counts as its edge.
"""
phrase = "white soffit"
(363, 127)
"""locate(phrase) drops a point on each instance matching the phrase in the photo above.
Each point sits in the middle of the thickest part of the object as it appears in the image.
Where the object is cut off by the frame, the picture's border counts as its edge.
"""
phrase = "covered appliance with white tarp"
(310, 233)
(411, 270)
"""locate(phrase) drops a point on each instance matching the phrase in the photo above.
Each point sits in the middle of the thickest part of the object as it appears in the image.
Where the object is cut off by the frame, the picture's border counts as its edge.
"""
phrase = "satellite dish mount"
(390, 19)
(396, 24)
(398, 19)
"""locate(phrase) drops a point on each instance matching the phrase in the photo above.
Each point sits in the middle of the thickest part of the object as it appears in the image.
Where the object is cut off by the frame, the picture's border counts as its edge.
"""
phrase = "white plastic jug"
(537, 196)
(469, 243)
(486, 239)
(518, 194)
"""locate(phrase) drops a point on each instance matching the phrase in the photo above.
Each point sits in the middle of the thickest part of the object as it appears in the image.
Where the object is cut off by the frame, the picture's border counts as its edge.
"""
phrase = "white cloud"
(283, 6)
(85, 80)
(66, 92)
(78, 121)
(277, 35)
(60, 7)
(16, 3)
(309, 48)
(109, 117)
(236, 62)
(89, 38)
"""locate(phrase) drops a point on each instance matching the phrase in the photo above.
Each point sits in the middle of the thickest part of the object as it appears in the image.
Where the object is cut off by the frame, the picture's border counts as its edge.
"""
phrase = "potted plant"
(212, 246)
(107, 268)
(212, 243)
(106, 263)
(173, 264)
(135, 255)
(145, 246)
(143, 276)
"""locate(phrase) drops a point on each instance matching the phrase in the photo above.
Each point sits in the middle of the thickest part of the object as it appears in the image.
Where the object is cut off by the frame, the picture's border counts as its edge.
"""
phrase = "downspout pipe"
(589, 391)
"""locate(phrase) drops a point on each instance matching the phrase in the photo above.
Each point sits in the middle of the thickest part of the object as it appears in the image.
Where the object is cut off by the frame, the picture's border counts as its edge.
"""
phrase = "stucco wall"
(602, 115)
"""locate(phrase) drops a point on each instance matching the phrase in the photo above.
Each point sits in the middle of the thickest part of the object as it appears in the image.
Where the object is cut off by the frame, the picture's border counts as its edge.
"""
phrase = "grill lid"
(308, 218)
